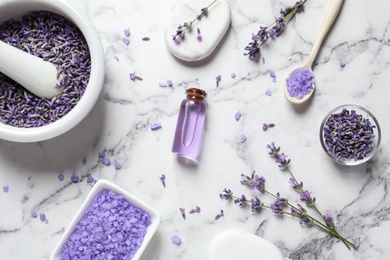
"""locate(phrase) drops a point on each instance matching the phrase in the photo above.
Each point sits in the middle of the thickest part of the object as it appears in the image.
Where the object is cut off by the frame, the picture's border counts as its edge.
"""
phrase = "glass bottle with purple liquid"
(188, 137)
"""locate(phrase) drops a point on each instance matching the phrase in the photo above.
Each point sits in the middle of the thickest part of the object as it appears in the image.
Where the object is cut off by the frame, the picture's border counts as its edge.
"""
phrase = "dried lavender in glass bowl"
(350, 134)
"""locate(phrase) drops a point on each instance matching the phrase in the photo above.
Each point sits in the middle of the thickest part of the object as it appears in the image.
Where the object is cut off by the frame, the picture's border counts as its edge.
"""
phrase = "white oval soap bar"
(212, 28)
(236, 244)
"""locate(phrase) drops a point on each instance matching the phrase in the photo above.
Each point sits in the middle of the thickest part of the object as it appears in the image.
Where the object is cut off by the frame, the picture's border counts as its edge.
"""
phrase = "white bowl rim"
(72, 12)
(100, 185)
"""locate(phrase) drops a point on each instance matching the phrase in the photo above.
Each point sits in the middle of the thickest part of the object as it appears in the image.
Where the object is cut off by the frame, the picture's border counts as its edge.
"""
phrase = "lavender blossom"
(219, 215)
(256, 204)
(301, 213)
(297, 186)
(242, 201)
(280, 158)
(306, 197)
(329, 220)
(195, 210)
(227, 194)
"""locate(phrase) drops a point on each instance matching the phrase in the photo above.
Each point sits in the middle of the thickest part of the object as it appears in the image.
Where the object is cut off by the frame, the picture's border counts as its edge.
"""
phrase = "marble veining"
(358, 197)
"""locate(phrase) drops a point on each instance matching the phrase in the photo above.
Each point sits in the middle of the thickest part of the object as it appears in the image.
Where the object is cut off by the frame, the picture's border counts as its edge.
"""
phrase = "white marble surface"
(358, 197)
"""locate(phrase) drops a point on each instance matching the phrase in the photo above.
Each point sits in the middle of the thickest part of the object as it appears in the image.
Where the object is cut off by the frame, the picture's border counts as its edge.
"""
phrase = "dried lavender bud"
(348, 135)
(64, 46)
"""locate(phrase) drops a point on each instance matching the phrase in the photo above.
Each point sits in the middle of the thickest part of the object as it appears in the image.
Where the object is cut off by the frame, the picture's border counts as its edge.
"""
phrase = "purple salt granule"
(126, 41)
(126, 32)
(169, 83)
(6, 189)
(233, 75)
(90, 179)
(237, 115)
(42, 216)
(300, 83)
(176, 239)
(61, 177)
(155, 126)
(34, 214)
(111, 228)
(242, 138)
(162, 84)
(117, 166)
(116, 58)
(84, 161)
(268, 93)
(106, 161)
(101, 155)
(342, 64)
(55, 39)
(74, 178)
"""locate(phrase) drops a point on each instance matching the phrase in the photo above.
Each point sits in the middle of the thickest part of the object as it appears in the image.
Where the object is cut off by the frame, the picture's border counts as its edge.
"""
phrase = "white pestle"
(33, 73)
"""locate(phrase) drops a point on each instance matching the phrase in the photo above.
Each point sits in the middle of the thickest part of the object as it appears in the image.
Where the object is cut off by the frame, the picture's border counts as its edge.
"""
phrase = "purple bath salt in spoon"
(33, 73)
(300, 83)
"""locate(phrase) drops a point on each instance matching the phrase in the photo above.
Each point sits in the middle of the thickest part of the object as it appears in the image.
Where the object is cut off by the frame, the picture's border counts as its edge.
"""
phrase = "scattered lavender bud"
(126, 32)
(116, 58)
(61, 177)
(237, 115)
(145, 38)
(162, 179)
(6, 189)
(195, 210)
(134, 76)
(183, 212)
(263, 59)
(242, 138)
(233, 75)
(155, 126)
(218, 79)
(266, 126)
(126, 41)
(106, 161)
(268, 93)
(90, 179)
(34, 214)
(199, 36)
(342, 64)
(118, 166)
(176, 239)
(74, 178)
(42, 216)
(219, 215)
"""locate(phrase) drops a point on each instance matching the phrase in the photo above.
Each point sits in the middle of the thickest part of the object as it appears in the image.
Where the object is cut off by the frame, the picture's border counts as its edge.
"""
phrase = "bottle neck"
(196, 94)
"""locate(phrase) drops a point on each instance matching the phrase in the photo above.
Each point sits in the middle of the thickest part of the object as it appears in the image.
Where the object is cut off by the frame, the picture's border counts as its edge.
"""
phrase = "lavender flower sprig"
(273, 30)
(256, 182)
(182, 28)
(305, 195)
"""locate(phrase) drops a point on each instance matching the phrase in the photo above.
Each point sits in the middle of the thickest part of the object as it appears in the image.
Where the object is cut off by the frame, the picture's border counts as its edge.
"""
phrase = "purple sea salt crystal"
(169, 83)
(155, 126)
(342, 64)
(300, 83)
(84, 161)
(126, 41)
(6, 188)
(117, 166)
(106, 161)
(90, 179)
(268, 92)
(61, 177)
(176, 239)
(34, 214)
(116, 58)
(63, 45)
(74, 178)
(111, 228)
(237, 115)
(42, 217)
(242, 138)
(233, 75)
(126, 32)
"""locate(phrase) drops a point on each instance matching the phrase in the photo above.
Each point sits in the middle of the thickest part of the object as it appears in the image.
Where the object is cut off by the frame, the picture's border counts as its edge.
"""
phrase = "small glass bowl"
(375, 140)
(109, 186)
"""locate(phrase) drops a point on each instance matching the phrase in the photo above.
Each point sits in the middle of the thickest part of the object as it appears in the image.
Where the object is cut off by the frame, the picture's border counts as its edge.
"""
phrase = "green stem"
(204, 11)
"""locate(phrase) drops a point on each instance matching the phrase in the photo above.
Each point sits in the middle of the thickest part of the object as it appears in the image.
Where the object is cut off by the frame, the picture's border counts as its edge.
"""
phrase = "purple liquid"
(187, 142)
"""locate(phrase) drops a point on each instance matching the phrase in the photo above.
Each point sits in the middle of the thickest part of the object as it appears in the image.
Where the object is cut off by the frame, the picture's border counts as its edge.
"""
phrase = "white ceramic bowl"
(14, 9)
(100, 186)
